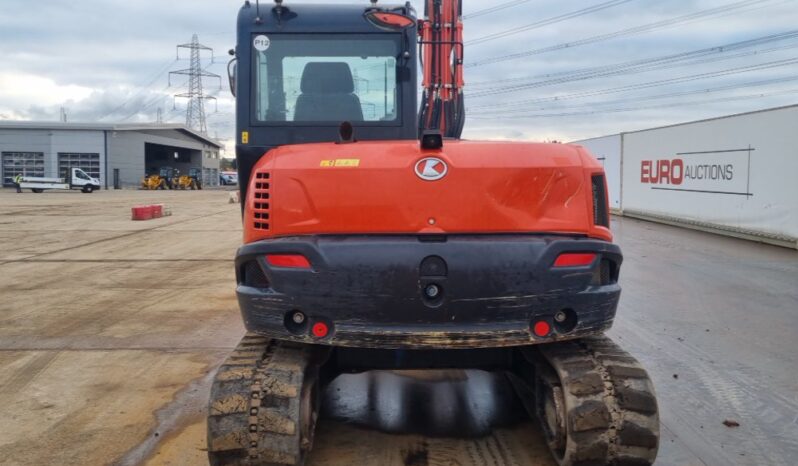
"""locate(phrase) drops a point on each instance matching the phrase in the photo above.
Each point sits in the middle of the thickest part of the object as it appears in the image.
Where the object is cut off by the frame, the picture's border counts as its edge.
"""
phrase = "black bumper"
(369, 290)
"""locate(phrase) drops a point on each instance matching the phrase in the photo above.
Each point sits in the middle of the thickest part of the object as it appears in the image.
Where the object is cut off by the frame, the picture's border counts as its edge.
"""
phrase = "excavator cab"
(303, 70)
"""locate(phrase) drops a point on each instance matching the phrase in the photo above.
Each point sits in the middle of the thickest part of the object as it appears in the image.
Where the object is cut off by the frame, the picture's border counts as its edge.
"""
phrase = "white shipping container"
(736, 173)
(607, 149)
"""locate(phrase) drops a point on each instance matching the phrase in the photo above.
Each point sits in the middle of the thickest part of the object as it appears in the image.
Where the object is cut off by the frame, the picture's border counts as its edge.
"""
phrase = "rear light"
(290, 261)
(575, 259)
(541, 328)
(391, 20)
(320, 329)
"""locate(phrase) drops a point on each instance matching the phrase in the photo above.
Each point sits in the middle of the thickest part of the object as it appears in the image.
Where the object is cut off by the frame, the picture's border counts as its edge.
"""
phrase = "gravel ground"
(110, 331)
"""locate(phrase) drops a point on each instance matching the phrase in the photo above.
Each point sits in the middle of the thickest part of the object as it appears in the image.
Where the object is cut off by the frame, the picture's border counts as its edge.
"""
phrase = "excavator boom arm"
(441, 44)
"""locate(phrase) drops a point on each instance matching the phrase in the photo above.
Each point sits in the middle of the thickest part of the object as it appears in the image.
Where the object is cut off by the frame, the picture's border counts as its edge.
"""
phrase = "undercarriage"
(594, 402)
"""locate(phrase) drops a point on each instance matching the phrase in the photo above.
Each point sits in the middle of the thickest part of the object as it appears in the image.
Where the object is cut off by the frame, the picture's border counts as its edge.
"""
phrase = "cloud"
(16, 89)
(109, 60)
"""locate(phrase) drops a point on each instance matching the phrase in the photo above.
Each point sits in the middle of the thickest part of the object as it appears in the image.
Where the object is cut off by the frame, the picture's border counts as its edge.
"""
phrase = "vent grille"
(254, 276)
(606, 273)
(600, 211)
(261, 207)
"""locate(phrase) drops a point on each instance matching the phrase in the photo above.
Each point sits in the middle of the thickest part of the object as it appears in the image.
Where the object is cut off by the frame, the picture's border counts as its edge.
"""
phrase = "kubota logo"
(431, 169)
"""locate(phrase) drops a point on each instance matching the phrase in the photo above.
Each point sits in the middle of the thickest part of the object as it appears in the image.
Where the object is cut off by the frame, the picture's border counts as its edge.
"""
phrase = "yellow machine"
(153, 182)
(183, 182)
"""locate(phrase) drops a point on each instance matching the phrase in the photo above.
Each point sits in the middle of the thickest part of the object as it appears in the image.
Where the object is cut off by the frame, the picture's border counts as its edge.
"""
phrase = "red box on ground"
(141, 212)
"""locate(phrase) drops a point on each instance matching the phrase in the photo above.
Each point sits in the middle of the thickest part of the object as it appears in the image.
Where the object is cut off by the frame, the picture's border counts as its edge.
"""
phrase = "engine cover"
(396, 187)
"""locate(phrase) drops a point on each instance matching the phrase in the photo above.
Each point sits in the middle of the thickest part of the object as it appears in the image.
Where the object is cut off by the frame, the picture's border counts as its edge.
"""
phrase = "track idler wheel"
(550, 411)
(595, 403)
(264, 404)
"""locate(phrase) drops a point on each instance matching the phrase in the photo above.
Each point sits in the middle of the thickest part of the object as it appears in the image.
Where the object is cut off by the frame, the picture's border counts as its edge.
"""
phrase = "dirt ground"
(110, 331)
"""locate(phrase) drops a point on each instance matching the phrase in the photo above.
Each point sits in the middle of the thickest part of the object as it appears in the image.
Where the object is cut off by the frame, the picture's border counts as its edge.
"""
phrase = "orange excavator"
(374, 238)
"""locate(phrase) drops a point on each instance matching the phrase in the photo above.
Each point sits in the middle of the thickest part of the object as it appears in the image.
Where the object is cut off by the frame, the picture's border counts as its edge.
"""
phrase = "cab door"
(79, 178)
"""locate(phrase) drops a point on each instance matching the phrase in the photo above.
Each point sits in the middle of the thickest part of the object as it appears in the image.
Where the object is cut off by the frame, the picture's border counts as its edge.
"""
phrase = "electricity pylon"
(195, 110)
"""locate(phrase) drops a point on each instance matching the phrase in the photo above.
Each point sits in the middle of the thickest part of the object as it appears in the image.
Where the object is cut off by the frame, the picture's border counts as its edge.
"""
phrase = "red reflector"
(574, 259)
(320, 330)
(541, 328)
(293, 261)
(392, 19)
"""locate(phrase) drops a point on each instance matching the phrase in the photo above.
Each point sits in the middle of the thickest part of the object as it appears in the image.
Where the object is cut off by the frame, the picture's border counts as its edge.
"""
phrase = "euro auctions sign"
(718, 172)
(737, 172)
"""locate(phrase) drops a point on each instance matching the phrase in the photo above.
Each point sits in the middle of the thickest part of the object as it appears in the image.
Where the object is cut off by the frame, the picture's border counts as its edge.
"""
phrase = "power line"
(141, 89)
(635, 109)
(669, 95)
(493, 9)
(633, 71)
(150, 100)
(625, 68)
(697, 16)
(142, 108)
(654, 62)
(548, 21)
(148, 105)
(662, 82)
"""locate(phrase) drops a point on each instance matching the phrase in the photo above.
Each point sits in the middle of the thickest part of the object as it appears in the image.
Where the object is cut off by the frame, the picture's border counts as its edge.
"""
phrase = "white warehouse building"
(120, 155)
(733, 175)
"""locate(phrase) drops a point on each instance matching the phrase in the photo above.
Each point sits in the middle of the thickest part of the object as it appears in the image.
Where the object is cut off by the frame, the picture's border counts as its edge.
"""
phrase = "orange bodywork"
(373, 188)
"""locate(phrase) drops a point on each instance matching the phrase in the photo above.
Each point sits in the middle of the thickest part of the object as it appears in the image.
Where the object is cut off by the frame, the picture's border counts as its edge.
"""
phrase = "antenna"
(257, 12)
(279, 10)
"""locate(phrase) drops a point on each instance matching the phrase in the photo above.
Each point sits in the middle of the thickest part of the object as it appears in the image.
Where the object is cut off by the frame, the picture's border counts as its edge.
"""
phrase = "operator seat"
(327, 94)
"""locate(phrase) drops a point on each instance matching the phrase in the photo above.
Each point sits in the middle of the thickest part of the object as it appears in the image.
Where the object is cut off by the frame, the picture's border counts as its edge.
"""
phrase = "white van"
(79, 179)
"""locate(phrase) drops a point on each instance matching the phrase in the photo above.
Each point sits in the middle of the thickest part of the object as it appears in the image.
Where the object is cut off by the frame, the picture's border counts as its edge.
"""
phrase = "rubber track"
(254, 409)
(611, 409)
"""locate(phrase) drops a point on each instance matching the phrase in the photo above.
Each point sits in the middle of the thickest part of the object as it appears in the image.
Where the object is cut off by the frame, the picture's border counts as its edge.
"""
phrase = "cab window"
(327, 78)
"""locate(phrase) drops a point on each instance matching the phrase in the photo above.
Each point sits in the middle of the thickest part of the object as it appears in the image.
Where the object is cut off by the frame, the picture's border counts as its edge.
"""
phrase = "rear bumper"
(369, 290)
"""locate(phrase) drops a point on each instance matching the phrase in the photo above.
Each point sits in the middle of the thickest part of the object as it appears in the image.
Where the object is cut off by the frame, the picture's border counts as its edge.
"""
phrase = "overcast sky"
(564, 75)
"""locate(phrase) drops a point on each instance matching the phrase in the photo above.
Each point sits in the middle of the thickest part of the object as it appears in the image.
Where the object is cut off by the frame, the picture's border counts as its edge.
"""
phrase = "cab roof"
(312, 17)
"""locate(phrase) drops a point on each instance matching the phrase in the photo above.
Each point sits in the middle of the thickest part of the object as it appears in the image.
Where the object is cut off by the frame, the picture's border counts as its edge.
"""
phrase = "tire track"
(112, 238)
(721, 392)
(23, 376)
